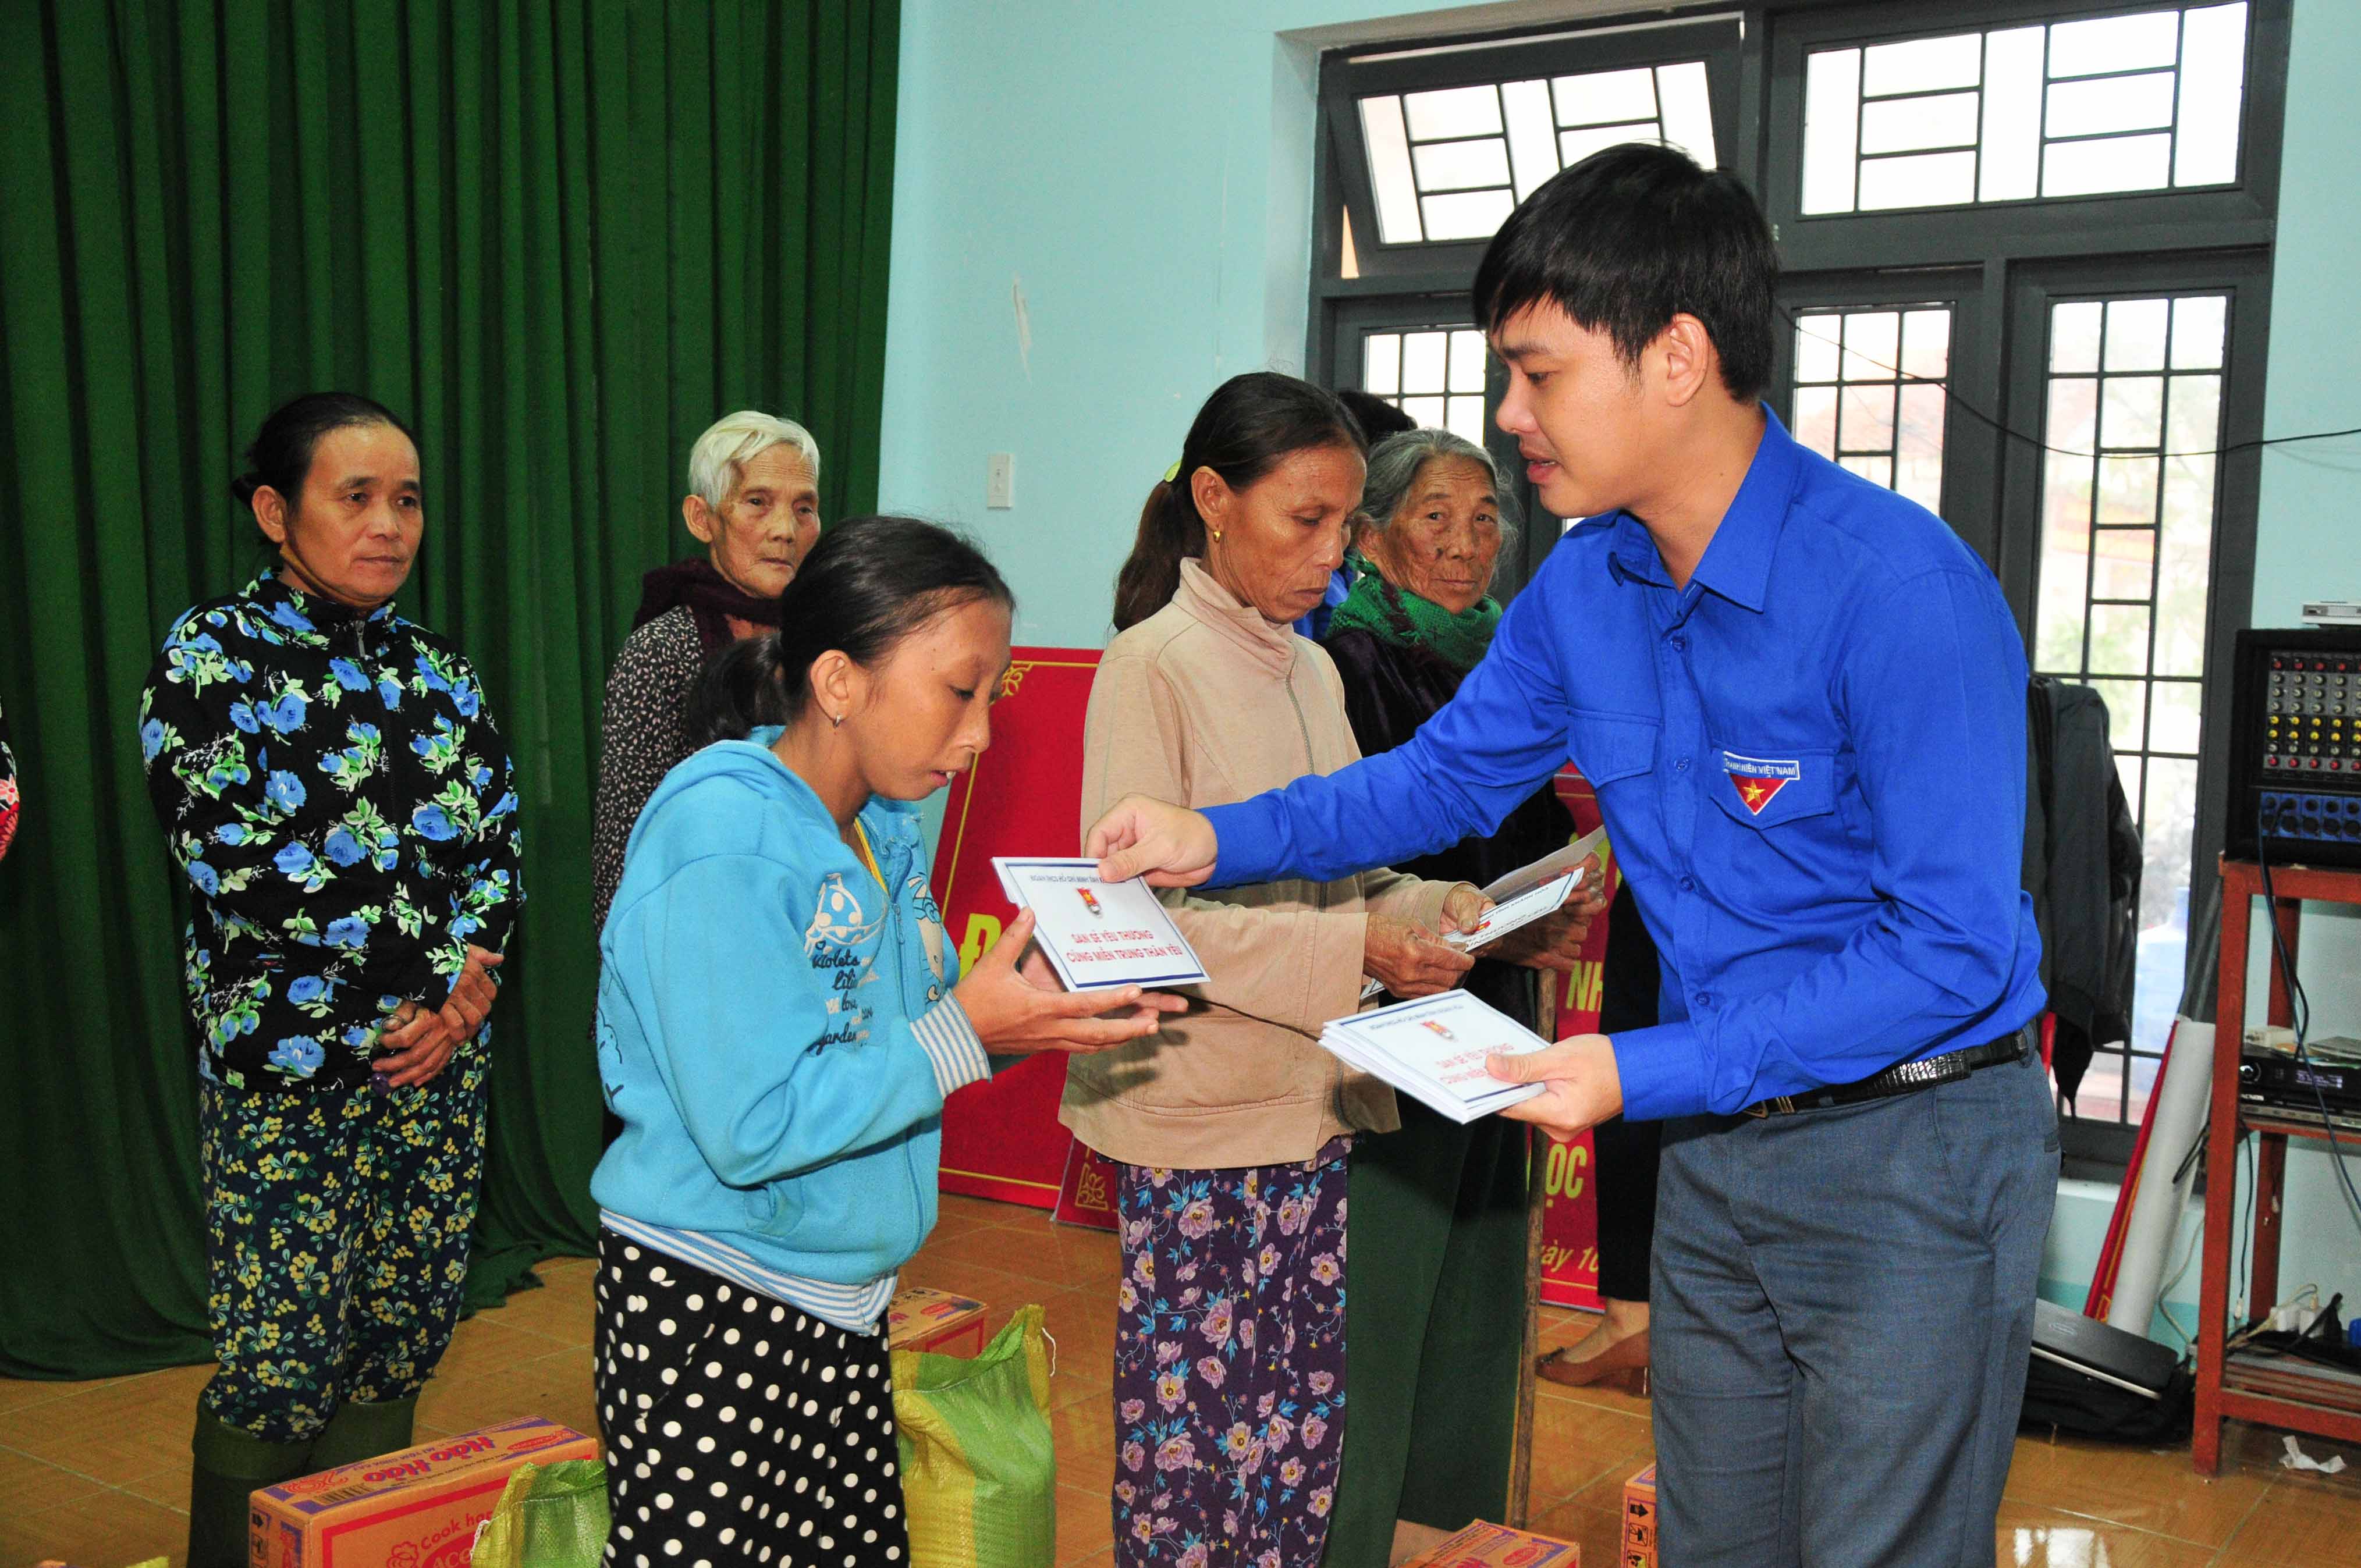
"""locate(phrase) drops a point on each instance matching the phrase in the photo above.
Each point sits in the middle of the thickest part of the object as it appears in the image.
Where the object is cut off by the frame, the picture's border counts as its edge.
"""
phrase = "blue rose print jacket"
(333, 786)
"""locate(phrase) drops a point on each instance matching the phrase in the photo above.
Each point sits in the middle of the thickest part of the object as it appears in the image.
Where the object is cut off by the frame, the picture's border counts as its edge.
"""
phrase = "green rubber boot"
(230, 1466)
(360, 1431)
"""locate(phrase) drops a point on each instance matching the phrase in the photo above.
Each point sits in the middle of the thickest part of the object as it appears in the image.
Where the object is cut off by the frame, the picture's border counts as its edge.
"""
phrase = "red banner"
(1087, 1196)
(1002, 1138)
(1570, 1212)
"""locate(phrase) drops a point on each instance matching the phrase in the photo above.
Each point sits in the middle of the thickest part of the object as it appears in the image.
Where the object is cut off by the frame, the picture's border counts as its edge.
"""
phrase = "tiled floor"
(97, 1473)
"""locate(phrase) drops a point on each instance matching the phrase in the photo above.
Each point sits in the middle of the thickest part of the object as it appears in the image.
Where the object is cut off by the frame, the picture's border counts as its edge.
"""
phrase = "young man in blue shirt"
(1801, 700)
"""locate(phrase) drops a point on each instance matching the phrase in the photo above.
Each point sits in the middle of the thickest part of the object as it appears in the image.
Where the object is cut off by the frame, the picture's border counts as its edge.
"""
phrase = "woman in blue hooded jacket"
(780, 1020)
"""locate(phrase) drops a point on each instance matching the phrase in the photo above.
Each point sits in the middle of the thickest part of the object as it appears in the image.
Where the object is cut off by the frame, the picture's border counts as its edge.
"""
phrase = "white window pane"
(1423, 361)
(2065, 568)
(2167, 826)
(1460, 165)
(2192, 418)
(2213, 79)
(2119, 639)
(2114, 43)
(1467, 362)
(2135, 334)
(2126, 703)
(1905, 125)
(2130, 413)
(1389, 176)
(1923, 179)
(1606, 96)
(1573, 146)
(1816, 419)
(2127, 488)
(2123, 565)
(1428, 412)
(1381, 363)
(1922, 65)
(1816, 347)
(1533, 139)
(1876, 470)
(1872, 341)
(1472, 214)
(2012, 143)
(1926, 344)
(2197, 332)
(2114, 163)
(2074, 335)
(2175, 718)
(2184, 562)
(1831, 125)
(1865, 418)
(1466, 417)
(1919, 446)
(1348, 264)
(1454, 112)
(1686, 111)
(2110, 104)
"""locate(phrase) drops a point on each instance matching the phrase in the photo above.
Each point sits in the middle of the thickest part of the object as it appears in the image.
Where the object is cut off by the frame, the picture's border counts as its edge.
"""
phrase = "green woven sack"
(552, 1515)
(979, 1473)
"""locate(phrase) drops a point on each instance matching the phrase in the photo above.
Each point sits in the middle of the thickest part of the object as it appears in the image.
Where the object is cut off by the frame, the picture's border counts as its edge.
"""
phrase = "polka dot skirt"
(739, 1430)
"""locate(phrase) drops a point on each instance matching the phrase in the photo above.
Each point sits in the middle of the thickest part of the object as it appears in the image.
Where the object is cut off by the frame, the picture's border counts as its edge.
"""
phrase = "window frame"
(2118, 222)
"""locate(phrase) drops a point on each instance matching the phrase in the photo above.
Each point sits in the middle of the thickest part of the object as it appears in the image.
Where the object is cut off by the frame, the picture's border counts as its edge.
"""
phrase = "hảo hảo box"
(416, 1507)
(936, 1322)
(1496, 1546)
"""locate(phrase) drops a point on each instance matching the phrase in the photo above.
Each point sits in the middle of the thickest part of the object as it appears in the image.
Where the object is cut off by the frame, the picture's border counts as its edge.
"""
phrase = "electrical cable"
(1904, 379)
(2299, 1012)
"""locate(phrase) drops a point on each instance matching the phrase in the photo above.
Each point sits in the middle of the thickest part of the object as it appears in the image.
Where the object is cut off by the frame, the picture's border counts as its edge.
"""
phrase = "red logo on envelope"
(1758, 780)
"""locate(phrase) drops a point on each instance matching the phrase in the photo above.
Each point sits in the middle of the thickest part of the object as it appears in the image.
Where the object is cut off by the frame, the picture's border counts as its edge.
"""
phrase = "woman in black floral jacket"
(329, 777)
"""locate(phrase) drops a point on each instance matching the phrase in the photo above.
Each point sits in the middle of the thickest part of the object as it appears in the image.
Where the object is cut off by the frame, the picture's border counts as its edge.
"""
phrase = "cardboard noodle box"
(1496, 1546)
(1640, 1520)
(935, 1321)
(415, 1509)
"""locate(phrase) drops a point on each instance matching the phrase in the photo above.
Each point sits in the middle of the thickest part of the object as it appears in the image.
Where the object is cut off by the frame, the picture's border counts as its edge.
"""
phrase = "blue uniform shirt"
(1811, 762)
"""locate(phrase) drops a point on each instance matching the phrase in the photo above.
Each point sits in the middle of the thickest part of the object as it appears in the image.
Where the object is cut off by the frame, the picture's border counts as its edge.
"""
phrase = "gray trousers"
(1842, 1315)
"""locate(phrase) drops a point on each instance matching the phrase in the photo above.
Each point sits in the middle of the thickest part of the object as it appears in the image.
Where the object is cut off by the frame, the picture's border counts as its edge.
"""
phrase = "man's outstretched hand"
(1172, 845)
(1580, 1084)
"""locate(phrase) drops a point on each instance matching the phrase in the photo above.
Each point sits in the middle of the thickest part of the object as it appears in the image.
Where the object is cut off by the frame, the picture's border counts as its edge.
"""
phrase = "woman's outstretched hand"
(1018, 1007)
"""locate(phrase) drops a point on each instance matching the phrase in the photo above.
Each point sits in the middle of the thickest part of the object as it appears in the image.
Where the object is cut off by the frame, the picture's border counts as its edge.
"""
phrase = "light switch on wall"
(1000, 481)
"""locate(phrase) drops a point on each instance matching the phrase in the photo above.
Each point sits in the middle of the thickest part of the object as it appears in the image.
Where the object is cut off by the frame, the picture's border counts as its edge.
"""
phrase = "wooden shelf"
(2218, 1398)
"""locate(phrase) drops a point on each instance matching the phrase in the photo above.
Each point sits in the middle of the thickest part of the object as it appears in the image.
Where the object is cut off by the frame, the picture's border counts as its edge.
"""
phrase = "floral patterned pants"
(1229, 1363)
(337, 1223)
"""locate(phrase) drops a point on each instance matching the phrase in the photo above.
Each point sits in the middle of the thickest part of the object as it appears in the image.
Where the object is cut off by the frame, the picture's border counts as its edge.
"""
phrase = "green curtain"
(562, 236)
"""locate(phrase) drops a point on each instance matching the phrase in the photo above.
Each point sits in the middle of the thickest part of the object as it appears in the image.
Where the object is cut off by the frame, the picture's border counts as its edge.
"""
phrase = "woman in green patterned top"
(329, 778)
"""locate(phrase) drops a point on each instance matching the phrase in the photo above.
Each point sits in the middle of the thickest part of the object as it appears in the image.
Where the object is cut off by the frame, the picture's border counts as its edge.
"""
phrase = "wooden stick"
(1521, 1474)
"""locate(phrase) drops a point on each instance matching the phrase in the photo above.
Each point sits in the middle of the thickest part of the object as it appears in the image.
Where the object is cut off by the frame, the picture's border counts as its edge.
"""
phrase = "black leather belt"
(1911, 1076)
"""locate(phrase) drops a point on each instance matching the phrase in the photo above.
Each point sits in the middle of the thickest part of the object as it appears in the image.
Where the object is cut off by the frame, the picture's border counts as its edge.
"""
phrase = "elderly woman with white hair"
(753, 501)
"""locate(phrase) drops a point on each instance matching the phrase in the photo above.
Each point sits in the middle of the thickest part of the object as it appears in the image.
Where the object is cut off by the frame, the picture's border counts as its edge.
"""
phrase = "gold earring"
(1217, 535)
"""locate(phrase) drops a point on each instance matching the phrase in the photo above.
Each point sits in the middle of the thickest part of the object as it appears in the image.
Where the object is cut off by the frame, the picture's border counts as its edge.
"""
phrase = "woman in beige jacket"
(1231, 1128)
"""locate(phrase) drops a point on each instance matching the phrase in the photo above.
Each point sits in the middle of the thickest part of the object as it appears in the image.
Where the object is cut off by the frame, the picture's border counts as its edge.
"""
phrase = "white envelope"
(1098, 935)
(1434, 1048)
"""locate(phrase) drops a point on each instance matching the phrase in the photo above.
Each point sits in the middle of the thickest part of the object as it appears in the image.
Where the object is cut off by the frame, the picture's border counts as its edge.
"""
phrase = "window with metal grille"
(2128, 497)
(1451, 164)
(1869, 393)
(2143, 101)
(1435, 374)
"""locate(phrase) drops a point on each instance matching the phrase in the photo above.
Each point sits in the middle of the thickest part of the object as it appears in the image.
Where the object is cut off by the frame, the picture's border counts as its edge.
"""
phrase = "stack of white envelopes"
(1433, 1050)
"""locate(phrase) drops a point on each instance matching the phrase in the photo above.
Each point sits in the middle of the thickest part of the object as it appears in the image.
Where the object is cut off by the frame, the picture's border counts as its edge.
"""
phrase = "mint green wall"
(2309, 544)
(1141, 173)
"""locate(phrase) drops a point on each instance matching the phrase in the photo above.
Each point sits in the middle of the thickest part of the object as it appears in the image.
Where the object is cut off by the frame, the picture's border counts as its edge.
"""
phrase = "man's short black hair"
(1632, 237)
